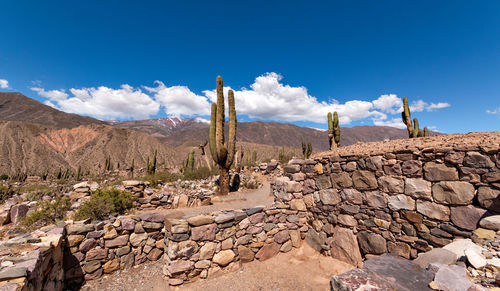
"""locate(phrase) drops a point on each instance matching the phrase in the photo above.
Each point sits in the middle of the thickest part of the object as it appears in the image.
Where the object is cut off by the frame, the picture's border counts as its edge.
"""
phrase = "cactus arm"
(415, 128)
(406, 115)
(309, 150)
(231, 141)
(213, 143)
(336, 129)
(426, 131)
(219, 133)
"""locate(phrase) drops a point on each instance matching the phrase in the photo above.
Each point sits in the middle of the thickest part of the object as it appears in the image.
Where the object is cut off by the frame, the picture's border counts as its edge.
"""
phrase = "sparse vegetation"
(102, 203)
(47, 212)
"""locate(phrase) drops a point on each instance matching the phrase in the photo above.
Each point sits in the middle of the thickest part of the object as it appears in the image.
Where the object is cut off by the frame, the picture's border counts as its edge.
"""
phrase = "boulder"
(117, 242)
(401, 201)
(477, 160)
(204, 232)
(268, 251)
(475, 258)
(489, 198)
(245, 254)
(375, 199)
(452, 278)
(460, 245)
(207, 251)
(314, 240)
(371, 243)
(179, 267)
(364, 180)
(453, 192)
(433, 210)
(329, 196)
(391, 185)
(223, 258)
(491, 222)
(341, 180)
(18, 212)
(344, 247)
(200, 220)
(436, 256)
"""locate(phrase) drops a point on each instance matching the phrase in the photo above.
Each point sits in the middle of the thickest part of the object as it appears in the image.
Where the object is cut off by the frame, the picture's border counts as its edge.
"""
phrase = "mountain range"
(37, 137)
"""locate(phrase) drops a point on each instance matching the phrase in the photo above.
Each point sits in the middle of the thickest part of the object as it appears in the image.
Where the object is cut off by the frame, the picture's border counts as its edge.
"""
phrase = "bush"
(5, 193)
(200, 173)
(4, 177)
(102, 203)
(47, 212)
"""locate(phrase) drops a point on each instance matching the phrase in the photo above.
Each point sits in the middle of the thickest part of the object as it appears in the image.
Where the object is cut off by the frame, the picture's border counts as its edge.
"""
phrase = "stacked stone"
(202, 245)
(104, 247)
(402, 202)
(81, 193)
(33, 261)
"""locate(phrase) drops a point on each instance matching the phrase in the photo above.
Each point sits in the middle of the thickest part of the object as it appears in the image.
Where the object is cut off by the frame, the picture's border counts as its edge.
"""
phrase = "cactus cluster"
(222, 150)
(306, 151)
(151, 166)
(414, 130)
(333, 130)
(188, 164)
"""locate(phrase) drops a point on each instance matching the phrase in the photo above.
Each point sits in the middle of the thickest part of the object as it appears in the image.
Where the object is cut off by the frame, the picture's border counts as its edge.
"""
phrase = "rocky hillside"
(17, 107)
(34, 148)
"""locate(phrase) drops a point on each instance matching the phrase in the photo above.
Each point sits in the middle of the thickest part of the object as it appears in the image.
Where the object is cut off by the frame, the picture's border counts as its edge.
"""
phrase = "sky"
(287, 61)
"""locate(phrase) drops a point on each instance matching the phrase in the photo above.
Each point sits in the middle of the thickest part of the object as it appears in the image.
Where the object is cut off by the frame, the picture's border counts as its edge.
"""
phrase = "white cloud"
(494, 111)
(266, 98)
(179, 100)
(4, 84)
(103, 102)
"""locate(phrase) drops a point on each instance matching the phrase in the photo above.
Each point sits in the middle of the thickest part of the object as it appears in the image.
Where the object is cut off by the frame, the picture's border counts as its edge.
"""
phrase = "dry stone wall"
(400, 202)
(94, 249)
(199, 246)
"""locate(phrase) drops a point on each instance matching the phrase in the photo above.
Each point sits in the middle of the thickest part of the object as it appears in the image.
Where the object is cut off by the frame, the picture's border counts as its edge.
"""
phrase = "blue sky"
(296, 60)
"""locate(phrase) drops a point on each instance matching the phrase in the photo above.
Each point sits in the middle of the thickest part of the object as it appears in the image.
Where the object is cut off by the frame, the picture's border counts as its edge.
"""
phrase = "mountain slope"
(17, 107)
(33, 148)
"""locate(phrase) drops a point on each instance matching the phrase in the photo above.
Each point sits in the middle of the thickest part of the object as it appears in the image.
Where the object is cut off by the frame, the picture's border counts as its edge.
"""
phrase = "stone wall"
(105, 247)
(199, 246)
(400, 202)
(33, 261)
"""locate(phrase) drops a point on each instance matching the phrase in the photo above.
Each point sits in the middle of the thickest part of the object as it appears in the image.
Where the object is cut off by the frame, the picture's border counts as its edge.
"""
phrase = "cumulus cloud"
(4, 84)
(494, 111)
(179, 100)
(103, 102)
(266, 98)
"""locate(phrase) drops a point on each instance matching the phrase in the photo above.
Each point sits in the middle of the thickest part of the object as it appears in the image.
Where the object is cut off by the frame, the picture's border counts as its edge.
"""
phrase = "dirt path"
(237, 200)
(299, 269)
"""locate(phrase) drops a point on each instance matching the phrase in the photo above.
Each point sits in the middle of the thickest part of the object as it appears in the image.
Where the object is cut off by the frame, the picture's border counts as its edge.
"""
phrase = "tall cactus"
(426, 131)
(406, 115)
(254, 157)
(191, 160)
(415, 130)
(304, 149)
(309, 150)
(223, 151)
(333, 130)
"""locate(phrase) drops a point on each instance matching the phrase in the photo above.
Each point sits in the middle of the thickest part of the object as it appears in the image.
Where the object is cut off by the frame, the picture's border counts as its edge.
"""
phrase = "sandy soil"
(299, 269)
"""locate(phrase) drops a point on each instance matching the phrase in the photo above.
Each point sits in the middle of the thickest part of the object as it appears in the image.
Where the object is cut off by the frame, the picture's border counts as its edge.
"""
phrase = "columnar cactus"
(223, 151)
(333, 130)
(190, 159)
(415, 130)
(309, 149)
(254, 157)
(426, 131)
(406, 115)
(306, 151)
(131, 168)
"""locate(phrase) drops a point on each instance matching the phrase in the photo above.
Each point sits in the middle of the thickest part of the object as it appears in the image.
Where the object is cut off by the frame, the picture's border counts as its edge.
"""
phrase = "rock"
(399, 248)
(412, 168)
(391, 184)
(18, 212)
(111, 266)
(329, 196)
(91, 266)
(364, 180)
(152, 217)
(313, 239)
(286, 247)
(4, 217)
(476, 259)
(96, 254)
(151, 226)
(180, 228)
(341, 180)
(281, 236)
(75, 239)
(347, 220)
(491, 222)
(110, 232)
(455, 192)
(298, 204)
(433, 210)
(418, 188)
(344, 247)
(94, 275)
(293, 187)
(12, 273)
(439, 172)
(200, 220)
(353, 196)
(245, 254)
(323, 182)
(87, 244)
(460, 245)
(120, 241)
(133, 183)
(466, 217)
(477, 160)
(256, 218)
(128, 224)
(179, 267)
(401, 201)
(225, 217)
(204, 232)
(436, 256)
(155, 254)
(268, 251)
(486, 234)
(371, 243)
(452, 278)
(489, 198)
(207, 251)
(375, 199)
(359, 279)
(223, 258)
(136, 240)
(413, 217)
(295, 238)
(79, 228)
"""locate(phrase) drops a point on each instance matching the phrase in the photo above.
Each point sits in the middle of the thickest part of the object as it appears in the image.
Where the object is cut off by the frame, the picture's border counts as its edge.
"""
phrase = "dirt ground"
(299, 269)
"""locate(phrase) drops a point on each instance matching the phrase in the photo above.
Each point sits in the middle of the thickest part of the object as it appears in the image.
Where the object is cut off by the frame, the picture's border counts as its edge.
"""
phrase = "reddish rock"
(371, 243)
(282, 236)
(467, 217)
(399, 248)
(413, 217)
(440, 172)
(256, 218)
(18, 212)
(204, 232)
(117, 242)
(268, 251)
(155, 254)
(344, 247)
(179, 266)
(152, 217)
(94, 275)
(128, 224)
(96, 254)
(87, 244)
(364, 180)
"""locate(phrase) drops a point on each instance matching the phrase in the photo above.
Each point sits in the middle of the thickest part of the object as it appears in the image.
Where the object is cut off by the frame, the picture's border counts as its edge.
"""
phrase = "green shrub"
(200, 173)
(47, 212)
(102, 203)
(4, 177)
(5, 193)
